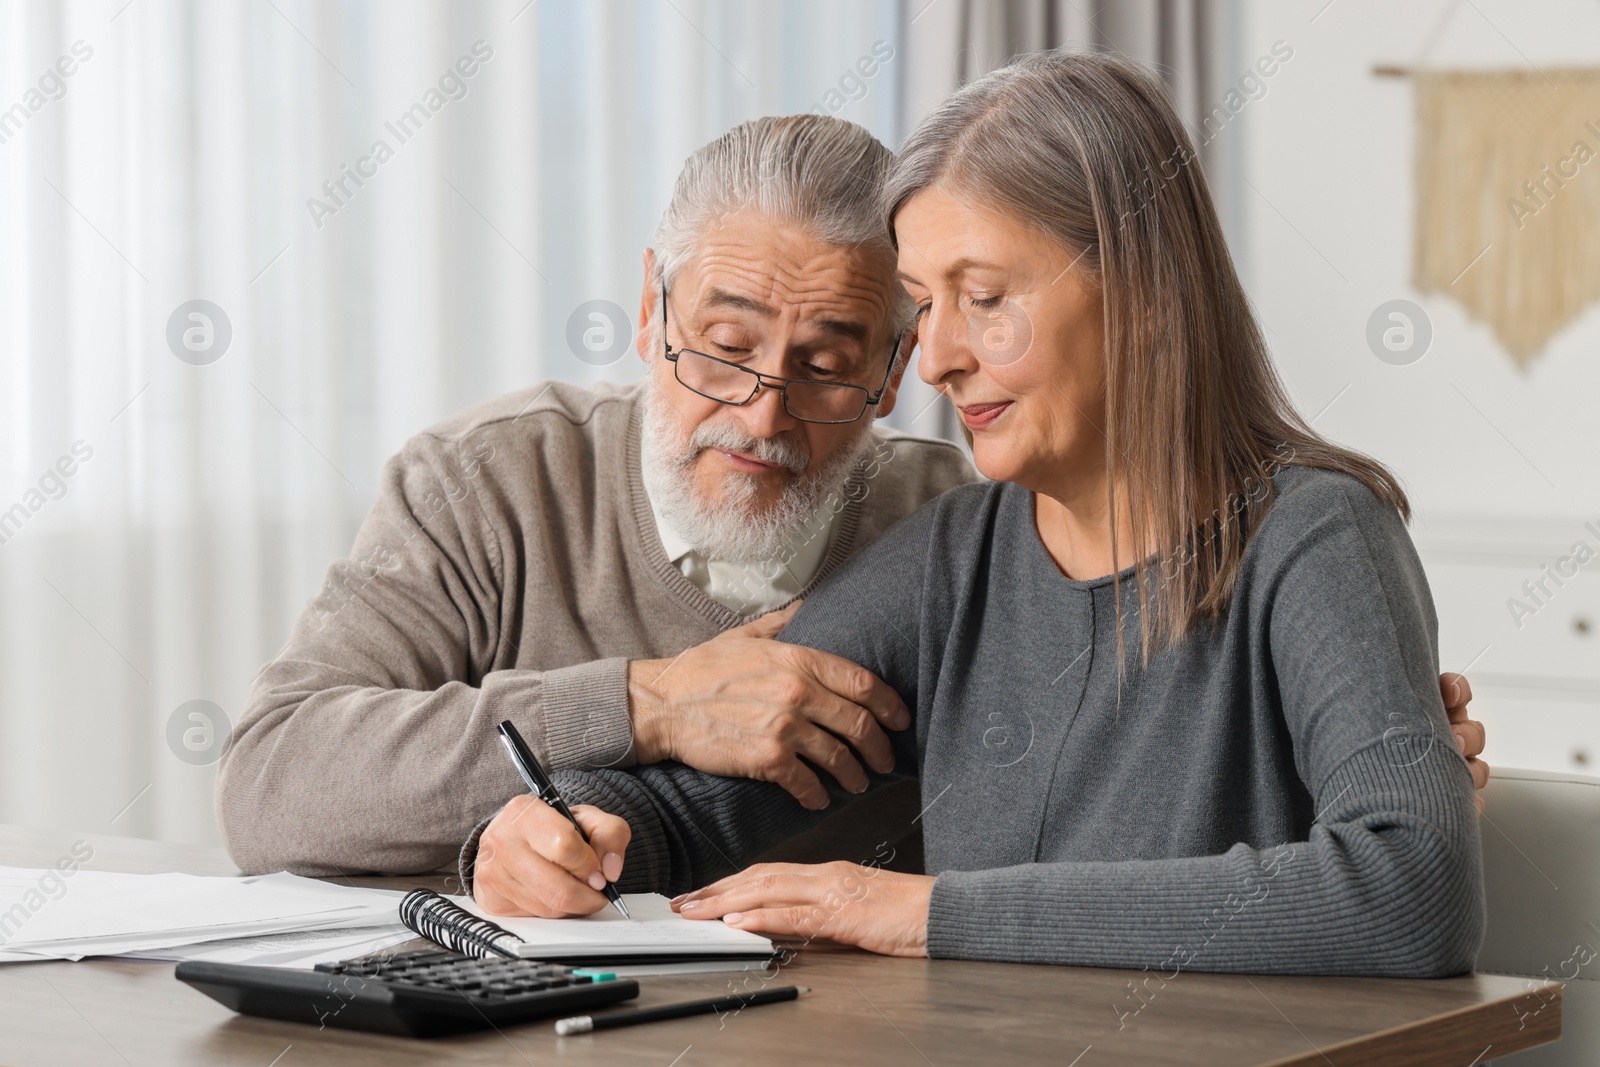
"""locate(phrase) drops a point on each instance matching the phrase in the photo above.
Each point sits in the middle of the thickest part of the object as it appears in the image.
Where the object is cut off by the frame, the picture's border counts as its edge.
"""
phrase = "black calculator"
(413, 994)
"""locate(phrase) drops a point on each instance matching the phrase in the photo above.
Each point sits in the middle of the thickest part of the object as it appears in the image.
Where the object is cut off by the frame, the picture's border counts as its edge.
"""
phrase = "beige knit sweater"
(509, 569)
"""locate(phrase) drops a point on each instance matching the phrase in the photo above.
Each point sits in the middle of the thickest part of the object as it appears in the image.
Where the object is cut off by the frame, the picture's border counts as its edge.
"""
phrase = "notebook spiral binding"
(453, 927)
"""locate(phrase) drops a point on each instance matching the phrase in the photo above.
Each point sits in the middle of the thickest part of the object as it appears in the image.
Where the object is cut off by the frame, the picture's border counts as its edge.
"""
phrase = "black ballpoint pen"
(541, 786)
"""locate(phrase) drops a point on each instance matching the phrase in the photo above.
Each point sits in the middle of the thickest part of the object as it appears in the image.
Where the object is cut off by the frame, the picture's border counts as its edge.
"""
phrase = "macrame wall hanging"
(1508, 197)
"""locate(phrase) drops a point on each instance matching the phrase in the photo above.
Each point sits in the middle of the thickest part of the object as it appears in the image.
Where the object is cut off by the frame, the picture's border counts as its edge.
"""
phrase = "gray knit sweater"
(1280, 793)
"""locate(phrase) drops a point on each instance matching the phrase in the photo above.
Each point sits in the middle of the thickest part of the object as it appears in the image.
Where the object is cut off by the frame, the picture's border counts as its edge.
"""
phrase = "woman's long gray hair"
(1088, 150)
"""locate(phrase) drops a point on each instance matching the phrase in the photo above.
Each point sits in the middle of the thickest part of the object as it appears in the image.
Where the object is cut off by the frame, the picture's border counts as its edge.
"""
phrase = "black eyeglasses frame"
(772, 381)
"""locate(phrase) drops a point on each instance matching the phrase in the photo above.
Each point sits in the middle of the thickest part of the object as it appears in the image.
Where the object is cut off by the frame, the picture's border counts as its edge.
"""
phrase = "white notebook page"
(654, 929)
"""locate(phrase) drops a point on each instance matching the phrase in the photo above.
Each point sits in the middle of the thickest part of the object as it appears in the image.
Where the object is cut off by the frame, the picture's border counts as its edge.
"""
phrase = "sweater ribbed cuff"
(586, 722)
(953, 908)
(647, 864)
(467, 861)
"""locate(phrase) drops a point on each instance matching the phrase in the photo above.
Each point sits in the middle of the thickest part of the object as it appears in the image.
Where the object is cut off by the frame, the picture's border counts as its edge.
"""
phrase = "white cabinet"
(1521, 617)
(1538, 734)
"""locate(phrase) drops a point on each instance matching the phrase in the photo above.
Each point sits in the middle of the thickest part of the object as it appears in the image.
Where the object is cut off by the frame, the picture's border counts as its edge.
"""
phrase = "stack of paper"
(298, 948)
(45, 915)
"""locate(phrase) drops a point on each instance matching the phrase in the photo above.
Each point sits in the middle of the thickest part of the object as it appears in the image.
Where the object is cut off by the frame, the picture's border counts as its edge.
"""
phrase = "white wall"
(1502, 465)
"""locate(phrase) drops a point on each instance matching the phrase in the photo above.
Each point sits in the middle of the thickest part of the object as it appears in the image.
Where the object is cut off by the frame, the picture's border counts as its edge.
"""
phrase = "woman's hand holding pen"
(878, 910)
(532, 861)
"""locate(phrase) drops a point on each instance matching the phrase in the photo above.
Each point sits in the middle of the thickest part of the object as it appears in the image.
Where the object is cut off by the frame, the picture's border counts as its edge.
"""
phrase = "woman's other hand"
(878, 910)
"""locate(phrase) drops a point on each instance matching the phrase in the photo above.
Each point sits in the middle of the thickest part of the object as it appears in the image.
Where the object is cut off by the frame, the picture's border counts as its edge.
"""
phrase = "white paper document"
(654, 930)
(49, 915)
(297, 948)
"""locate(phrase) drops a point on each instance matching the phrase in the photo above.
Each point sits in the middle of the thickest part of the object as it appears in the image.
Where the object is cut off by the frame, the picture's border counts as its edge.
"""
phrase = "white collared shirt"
(750, 589)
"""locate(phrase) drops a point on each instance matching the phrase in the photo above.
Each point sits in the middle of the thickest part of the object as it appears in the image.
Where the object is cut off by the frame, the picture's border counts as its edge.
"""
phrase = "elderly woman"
(1172, 671)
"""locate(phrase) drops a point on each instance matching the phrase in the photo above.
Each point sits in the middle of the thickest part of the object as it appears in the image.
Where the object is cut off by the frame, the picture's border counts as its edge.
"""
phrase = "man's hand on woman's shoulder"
(742, 705)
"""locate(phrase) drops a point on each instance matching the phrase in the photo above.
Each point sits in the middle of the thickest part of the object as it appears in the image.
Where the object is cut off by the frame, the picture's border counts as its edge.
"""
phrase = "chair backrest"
(1541, 868)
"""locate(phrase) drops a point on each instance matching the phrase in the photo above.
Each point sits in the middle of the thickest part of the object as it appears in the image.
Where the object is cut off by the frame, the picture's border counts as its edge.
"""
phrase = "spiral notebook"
(654, 935)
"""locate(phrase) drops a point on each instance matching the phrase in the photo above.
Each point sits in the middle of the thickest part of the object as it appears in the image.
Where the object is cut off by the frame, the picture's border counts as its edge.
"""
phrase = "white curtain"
(227, 151)
(185, 159)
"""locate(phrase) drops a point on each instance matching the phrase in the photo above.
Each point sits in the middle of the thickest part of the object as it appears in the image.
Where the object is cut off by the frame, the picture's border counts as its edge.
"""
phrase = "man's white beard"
(734, 530)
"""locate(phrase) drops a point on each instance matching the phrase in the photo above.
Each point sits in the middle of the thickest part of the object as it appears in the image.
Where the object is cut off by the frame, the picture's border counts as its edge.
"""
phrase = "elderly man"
(585, 562)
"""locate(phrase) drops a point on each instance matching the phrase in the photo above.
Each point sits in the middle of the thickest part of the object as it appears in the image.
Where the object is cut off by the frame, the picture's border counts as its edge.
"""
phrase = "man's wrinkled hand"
(745, 706)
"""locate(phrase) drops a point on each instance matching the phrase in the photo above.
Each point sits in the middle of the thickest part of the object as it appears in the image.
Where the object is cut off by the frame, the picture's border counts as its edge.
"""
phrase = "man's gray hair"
(823, 174)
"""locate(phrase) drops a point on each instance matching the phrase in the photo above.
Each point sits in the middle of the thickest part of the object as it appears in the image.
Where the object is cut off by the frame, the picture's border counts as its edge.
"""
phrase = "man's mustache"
(786, 451)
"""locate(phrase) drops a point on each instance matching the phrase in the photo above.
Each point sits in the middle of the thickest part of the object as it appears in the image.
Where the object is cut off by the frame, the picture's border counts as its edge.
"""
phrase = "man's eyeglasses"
(803, 398)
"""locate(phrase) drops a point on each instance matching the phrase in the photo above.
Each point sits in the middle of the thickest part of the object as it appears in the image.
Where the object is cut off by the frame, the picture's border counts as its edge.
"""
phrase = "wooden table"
(864, 1009)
